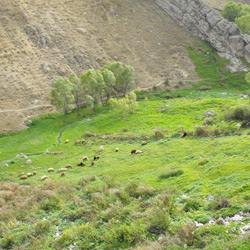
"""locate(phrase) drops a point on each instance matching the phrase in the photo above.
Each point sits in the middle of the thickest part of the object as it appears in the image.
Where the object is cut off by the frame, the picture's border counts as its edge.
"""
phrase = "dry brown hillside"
(43, 39)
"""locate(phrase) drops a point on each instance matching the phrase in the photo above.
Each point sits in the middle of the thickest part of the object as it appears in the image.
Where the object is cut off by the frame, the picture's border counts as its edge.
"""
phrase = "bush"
(42, 227)
(186, 233)
(218, 203)
(7, 241)
(159, 220)
(50, 204)
(202, 218)
(192, 205)
(240, 113)
(166, 82)
(132, 233)
(158, 133)
(234, 10)
(171, 173)
(204, 88)
(209, 121)
(244, 24)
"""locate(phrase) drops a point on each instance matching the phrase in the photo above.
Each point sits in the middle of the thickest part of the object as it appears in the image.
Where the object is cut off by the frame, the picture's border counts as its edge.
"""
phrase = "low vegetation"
(87, 191)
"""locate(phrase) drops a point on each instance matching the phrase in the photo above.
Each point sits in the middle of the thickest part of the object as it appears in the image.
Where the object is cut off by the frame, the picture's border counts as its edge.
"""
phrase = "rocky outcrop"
(207, 23)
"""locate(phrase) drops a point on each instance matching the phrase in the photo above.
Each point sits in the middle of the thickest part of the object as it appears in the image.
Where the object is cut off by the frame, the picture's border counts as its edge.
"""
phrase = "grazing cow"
(63, 174)
(100, 149)
(79, 141)
(117, 150)
(133, 151)
(85, 158)
(138, 152)
(24, 177)
(144, 143)
(51, 170)
(43, 178)
(184, 135)
(92, 163)
(96, 158)
(81, 164)
(34, 172)
(67, 141)
(68, 166)
(29, 174)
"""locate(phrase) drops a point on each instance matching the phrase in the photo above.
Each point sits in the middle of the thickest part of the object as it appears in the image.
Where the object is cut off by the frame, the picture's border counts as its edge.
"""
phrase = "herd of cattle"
(83, 163)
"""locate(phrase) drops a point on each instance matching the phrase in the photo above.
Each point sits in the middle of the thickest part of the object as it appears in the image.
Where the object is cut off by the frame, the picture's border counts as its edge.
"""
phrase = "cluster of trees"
(238, 13)
(125, 105)
(94, 87)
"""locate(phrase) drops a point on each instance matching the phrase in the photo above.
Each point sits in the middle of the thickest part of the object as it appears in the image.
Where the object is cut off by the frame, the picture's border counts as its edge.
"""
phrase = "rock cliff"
(208, 24)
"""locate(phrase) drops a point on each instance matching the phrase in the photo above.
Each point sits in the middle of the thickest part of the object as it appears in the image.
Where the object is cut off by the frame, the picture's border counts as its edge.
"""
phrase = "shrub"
(192, 205)
(171, 173)
(202, 218)
(166, 82)
(158, 133)
(42, 227)
(52, 203)
(158, 220)
(201, 131)
(234, 10)
(7, 241)
(244, 24)
(134, 190)
(204, 88)
(240, 113)
(132, 233)
(209, 121)
(218, 203)
(186, 233)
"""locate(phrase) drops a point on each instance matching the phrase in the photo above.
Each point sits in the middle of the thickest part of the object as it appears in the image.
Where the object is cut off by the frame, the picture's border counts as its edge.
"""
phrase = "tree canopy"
(93, 87)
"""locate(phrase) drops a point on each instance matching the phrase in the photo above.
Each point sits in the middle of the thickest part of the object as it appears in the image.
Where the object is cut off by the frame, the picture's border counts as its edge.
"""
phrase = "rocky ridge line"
(209, 25)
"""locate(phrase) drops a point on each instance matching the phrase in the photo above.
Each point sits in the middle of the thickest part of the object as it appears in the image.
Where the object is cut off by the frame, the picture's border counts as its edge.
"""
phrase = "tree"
(125, 76)
(62, 96)
(109, 80)
(248, 77)
(125, 105)
(231, 11)
(90, 102)
(93, 83)
(234, 10)
(77, 90)
(244, 23)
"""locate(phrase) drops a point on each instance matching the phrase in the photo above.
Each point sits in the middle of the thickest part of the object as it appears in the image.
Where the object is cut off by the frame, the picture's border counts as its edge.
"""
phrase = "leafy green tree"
(248, 77)
(77, 90)
(109, 80)
(62, 97)
(231, 11)
(244, 23)
(125, 105)
(125, 76)
(234, 10)
(90, 102)
(93, 83)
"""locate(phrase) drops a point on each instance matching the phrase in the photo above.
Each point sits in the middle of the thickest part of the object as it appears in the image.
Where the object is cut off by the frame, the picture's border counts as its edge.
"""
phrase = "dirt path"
(53, 145)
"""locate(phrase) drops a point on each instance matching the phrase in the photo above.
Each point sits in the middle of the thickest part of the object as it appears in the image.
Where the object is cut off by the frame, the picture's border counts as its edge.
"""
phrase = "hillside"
(42, 40)
(176, 193)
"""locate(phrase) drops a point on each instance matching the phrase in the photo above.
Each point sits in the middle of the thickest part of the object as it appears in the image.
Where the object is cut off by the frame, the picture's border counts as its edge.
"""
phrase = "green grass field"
(126, 201)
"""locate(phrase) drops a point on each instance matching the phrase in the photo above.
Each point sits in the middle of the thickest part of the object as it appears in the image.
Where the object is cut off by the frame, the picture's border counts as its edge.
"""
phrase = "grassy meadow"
(128, 201)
